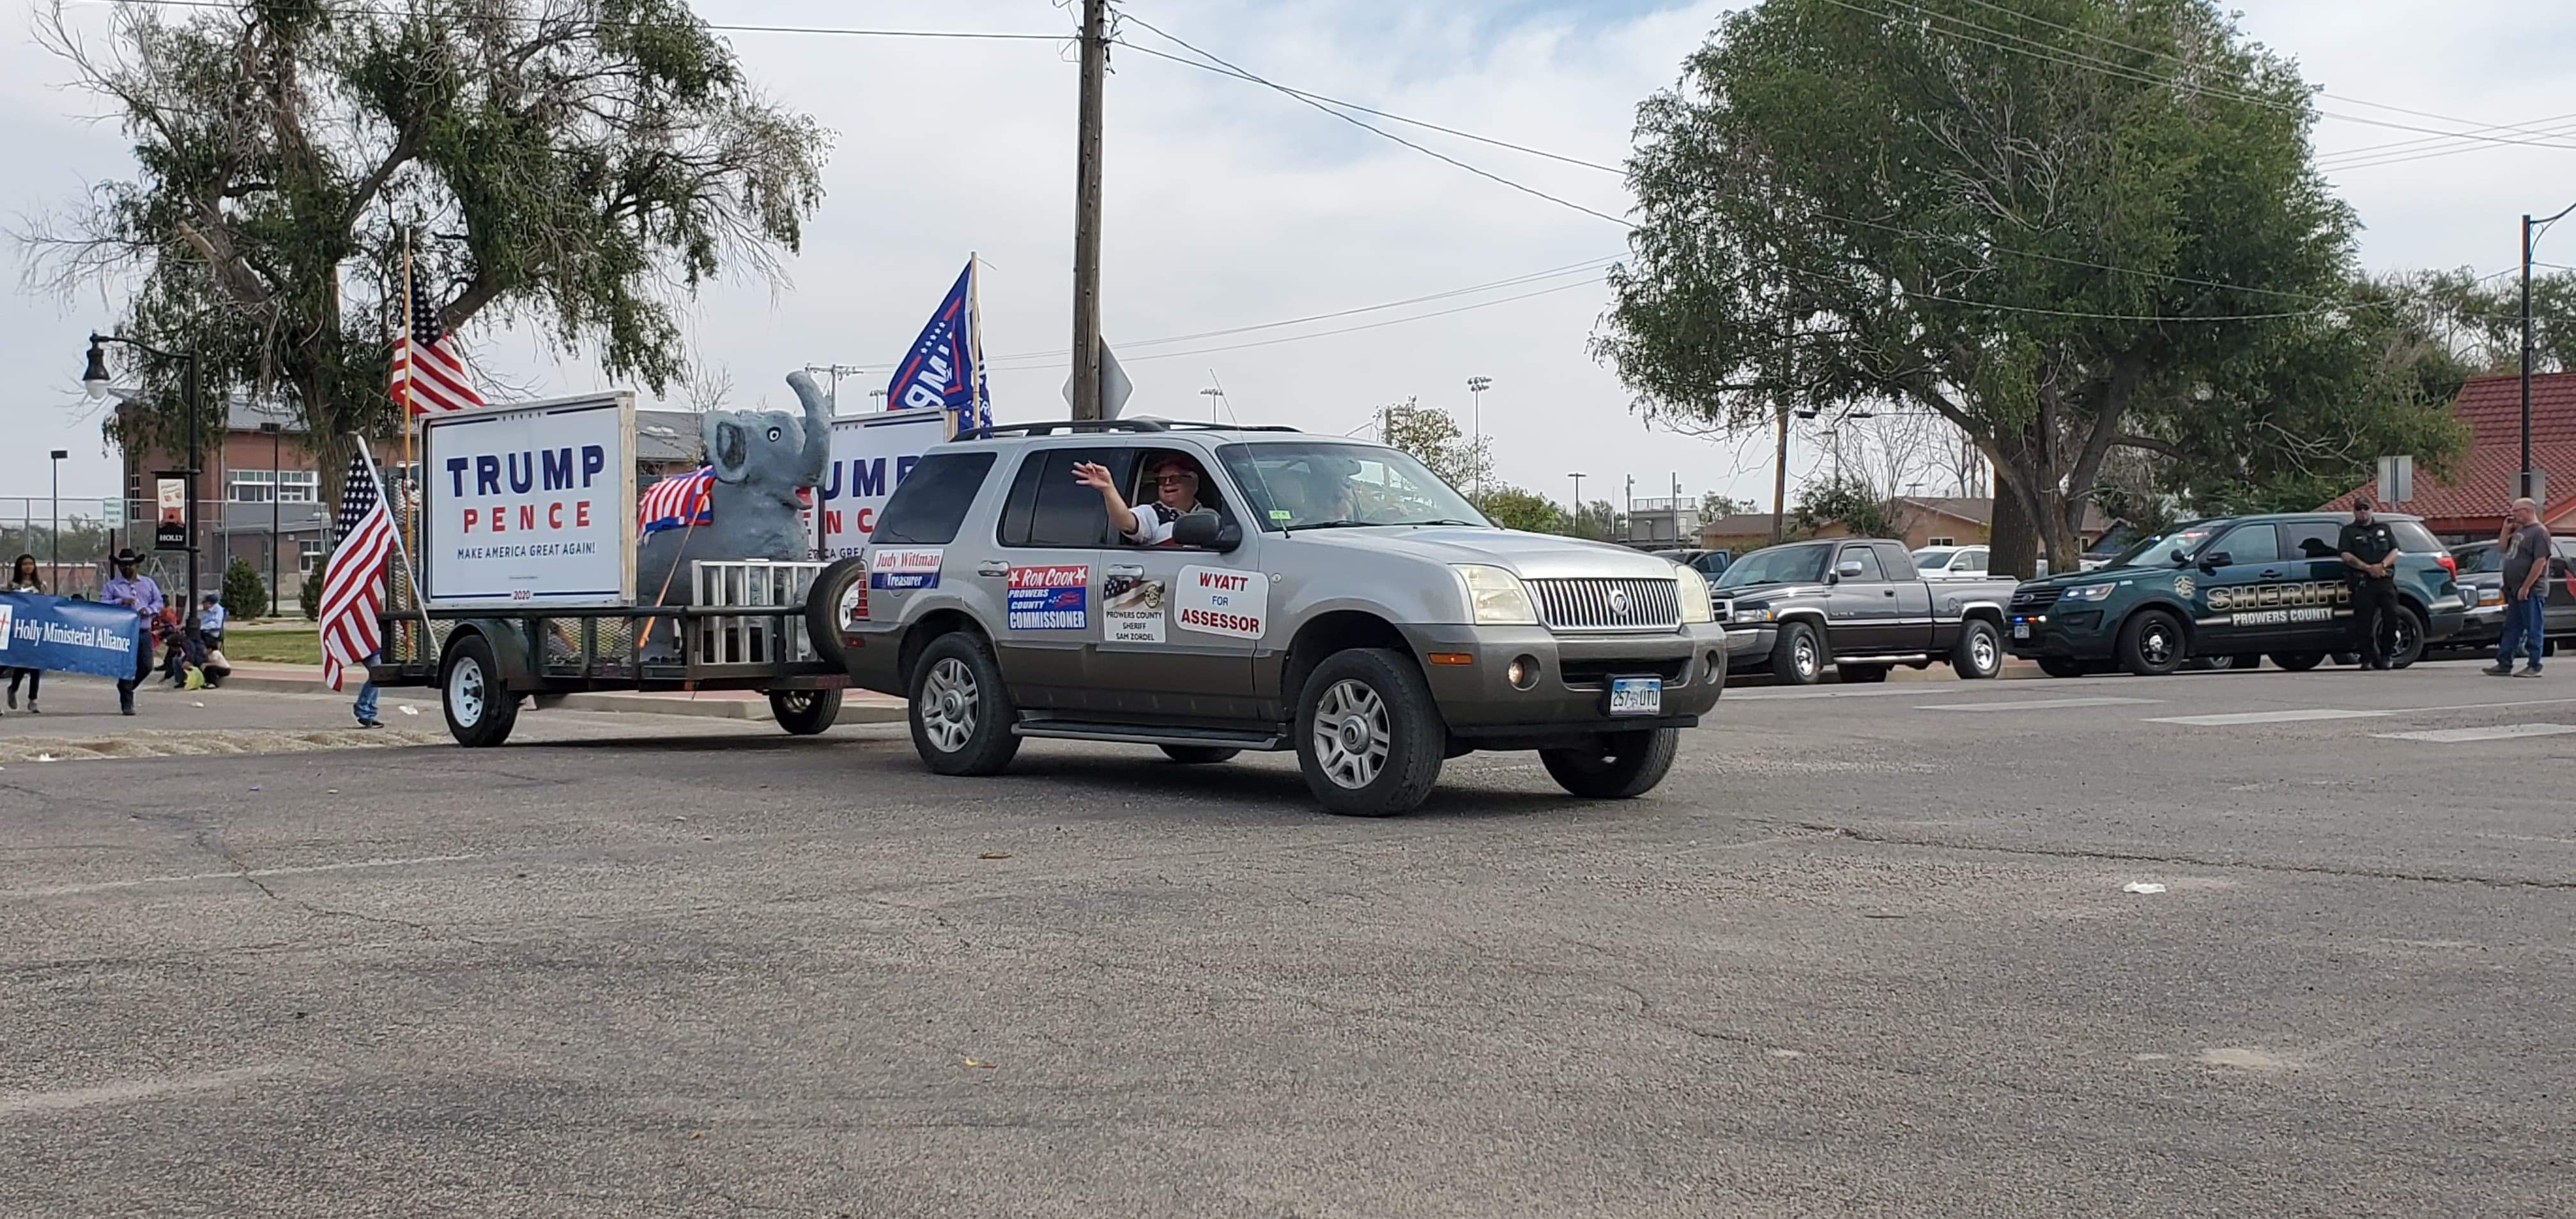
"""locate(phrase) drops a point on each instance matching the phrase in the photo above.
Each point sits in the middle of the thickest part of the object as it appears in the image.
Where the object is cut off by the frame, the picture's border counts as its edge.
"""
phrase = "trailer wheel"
(480, 708)
(805, 712)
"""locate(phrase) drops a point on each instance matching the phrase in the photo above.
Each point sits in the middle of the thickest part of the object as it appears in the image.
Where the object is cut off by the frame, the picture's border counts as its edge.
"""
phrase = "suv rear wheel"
(961, 713)
(2151, 643)
(1369, 738)
(1618, 766)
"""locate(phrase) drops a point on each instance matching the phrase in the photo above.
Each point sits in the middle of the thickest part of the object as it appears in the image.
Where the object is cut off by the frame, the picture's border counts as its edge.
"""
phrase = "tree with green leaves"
(2069, 229)
(1846, 501)
(577, 166)
(1600, 520)
(1433, 437)
(245, 595)
(1513, 508)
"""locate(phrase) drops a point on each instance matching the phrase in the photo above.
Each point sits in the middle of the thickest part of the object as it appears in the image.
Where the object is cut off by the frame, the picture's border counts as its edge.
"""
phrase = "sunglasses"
(1174, 480)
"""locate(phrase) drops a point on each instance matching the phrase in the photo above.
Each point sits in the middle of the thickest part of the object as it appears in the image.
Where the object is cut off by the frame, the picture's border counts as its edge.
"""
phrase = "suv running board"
(1150, 734)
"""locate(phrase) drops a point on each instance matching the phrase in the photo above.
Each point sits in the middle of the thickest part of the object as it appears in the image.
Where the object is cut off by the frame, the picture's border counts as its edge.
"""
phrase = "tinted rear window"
(2474, 559)
(2414, 538)
(2313, 539)
(927, 509)
(1048, 508)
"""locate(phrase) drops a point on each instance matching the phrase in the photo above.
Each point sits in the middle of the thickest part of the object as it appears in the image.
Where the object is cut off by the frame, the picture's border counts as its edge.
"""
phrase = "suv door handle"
(1888, 593)
(993, 567)
(1123, 569)
(2270, 573)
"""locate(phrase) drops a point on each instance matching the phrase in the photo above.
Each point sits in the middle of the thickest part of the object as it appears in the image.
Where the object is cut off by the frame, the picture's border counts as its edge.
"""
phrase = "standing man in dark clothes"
(2369, 551)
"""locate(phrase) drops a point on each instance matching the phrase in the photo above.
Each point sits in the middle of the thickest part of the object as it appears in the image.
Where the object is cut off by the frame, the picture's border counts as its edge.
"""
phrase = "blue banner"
(946, 364)
(66, 636)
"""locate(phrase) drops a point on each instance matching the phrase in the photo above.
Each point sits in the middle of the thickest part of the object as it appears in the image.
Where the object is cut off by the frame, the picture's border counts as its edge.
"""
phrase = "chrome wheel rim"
(1981, 652)
(1804, 657)
(948, 704)
(1352, 737)
(465, 692)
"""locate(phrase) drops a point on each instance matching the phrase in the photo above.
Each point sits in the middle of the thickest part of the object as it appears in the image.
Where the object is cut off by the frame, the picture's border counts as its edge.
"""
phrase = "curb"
(853, 711)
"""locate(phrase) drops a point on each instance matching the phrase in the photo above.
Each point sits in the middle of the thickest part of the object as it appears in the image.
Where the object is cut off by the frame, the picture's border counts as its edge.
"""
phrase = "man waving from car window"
(1176, 494)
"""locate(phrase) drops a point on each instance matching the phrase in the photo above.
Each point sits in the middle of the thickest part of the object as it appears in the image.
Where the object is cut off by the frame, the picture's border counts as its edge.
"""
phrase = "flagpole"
(402, 553)
(980, 411)
(403, 508)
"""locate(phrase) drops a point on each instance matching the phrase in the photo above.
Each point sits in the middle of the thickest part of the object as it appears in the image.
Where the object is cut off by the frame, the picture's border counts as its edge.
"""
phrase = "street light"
(2530, 478)
(1577, 476)
(276, 484)
(1476, 387)
(94, 381)
(55, 530)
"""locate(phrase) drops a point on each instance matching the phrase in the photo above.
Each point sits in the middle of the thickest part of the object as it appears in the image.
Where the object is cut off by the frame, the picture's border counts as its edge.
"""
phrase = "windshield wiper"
(1442, 521)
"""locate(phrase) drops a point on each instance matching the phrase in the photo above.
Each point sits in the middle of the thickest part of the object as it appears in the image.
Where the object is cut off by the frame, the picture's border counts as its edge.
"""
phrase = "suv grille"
(2034, 600)
(1608, 605)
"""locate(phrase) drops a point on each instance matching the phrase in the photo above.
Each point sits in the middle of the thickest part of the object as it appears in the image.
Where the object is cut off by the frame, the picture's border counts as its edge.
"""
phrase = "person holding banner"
(23, 579)
(141, 594)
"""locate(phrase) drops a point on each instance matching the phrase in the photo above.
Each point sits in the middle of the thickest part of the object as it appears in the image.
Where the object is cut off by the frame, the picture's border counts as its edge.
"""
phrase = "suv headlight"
(2086, 592)
(1495, 597)
(1693, 589)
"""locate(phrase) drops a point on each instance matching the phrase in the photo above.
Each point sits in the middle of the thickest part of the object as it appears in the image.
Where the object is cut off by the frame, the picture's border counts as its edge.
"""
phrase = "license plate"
(2021, 630)
(1636, 696)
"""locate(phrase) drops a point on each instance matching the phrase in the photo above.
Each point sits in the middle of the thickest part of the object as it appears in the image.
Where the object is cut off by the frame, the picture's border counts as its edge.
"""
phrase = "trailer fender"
(509, 651)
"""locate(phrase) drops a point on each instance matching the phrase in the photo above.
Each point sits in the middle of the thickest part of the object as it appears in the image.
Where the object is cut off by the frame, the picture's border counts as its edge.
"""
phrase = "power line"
(1297, 338)
(2342, 165)
(1527, 190)
(2075, 59)
(2369, 150)
(729, 28)
(2173, 58)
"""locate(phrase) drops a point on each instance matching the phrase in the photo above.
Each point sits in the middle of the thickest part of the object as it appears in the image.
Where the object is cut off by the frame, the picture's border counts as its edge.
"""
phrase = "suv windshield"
(2153, 551)
(1328, 484)
(1931, 557)
(1786, 565)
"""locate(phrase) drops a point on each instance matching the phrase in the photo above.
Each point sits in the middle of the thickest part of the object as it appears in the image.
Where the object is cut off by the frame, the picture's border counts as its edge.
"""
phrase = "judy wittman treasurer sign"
(530, 504)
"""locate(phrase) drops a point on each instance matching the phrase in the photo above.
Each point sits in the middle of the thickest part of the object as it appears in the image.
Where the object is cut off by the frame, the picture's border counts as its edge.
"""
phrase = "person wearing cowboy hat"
(141, 594)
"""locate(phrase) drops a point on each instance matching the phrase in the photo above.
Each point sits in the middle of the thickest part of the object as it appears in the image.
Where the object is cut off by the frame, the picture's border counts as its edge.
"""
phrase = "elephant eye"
(776, 433)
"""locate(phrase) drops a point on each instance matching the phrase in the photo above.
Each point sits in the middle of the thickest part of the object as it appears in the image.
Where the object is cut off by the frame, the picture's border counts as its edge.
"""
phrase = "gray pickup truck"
(1317, 594)
(1858, 605)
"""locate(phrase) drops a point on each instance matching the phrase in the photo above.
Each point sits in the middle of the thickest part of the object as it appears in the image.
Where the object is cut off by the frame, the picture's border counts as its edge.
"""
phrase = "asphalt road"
(1866, 953)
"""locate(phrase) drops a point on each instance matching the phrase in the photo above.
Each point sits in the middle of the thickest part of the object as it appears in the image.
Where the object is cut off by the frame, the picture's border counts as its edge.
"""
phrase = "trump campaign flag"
(946, 364)
(677, 501)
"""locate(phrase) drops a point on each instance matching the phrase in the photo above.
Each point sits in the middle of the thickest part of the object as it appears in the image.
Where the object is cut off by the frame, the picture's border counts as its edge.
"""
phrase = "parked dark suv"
(2245, 586)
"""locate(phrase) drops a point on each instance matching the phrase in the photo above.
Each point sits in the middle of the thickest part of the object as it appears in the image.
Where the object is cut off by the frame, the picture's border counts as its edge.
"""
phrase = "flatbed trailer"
(747, 630)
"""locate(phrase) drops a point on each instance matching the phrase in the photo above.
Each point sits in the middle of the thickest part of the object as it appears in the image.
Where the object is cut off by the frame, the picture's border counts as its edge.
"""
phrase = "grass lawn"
(297, 643)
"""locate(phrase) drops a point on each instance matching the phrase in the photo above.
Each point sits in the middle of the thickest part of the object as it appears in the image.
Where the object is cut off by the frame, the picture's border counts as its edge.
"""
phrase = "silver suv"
(1325, 595)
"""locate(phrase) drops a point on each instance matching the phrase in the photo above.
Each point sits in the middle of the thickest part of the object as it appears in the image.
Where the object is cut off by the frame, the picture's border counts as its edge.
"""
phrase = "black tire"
(2408, 647)
(805, 712)
(826, 601)
(1860, 675)
(2298, 662)
(1198, 755)
(480, 708)
(1378, 692)
(1620, 766)
(961, 713)
(2152, 643)
(1797, 656)
(2347, 658)
(2060, 666)
(1979, 654)
(2218, 664)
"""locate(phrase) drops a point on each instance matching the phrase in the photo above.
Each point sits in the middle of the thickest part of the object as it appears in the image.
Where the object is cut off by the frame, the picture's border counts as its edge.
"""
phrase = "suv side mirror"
(1847, 569)
(2212, 562)
(1205, 530)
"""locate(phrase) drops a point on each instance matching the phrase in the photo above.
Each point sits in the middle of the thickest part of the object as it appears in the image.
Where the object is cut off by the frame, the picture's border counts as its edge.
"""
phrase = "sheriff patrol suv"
(2238, 587)
(1323, 595)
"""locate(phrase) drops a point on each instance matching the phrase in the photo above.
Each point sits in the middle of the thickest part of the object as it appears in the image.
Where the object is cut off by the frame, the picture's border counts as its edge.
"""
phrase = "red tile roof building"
(2482, 482)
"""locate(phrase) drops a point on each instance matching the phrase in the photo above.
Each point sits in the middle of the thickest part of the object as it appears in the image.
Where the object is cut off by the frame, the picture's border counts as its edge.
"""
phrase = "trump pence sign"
(529, 504)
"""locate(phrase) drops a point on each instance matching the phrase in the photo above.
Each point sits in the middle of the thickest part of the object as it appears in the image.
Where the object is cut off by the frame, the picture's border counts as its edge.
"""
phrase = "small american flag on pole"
(677, 501)
(427, 376)
(353, 587)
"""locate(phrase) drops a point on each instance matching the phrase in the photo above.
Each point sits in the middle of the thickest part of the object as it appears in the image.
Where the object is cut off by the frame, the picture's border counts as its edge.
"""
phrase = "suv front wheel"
(1621, 765)
(1369, 739)
(961, 714)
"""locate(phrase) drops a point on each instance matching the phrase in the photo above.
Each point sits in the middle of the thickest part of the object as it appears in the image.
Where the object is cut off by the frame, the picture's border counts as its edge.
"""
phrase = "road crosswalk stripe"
(2267, 717)
(2036, 704)
(2499, 732)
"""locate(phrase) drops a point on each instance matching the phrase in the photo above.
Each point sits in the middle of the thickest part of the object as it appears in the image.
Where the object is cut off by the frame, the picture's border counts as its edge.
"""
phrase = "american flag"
(353, 587)
(427, 376)
(682, 499)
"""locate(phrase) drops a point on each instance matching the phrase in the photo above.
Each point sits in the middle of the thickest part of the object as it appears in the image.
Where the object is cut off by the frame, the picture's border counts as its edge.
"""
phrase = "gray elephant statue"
(761, 459)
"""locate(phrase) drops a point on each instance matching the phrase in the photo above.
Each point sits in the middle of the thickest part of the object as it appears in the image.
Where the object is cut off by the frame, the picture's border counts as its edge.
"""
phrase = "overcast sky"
(1228, 205)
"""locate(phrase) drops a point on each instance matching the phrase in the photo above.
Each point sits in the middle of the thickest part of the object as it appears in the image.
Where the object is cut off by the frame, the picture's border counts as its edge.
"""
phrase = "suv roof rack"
(1051, 427)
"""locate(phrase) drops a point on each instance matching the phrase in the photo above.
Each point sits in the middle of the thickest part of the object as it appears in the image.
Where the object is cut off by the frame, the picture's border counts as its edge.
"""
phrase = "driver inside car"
(1175, 481)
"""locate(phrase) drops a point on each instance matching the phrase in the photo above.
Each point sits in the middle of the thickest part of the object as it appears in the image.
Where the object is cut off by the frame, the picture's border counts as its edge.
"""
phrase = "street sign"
(2535, 486)
(111, 513)
(2396, 479)
(1114, 385)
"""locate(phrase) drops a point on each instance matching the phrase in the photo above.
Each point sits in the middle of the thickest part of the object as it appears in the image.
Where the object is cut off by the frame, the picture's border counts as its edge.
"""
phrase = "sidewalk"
(857, 706)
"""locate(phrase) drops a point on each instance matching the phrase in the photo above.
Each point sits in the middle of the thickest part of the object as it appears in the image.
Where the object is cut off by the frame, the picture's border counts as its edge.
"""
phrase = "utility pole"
(836, 372)
(1086, 213)
(2527, 479)
(1780, 482)
(1476, 387)
(54, 576)
(1577, 476)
